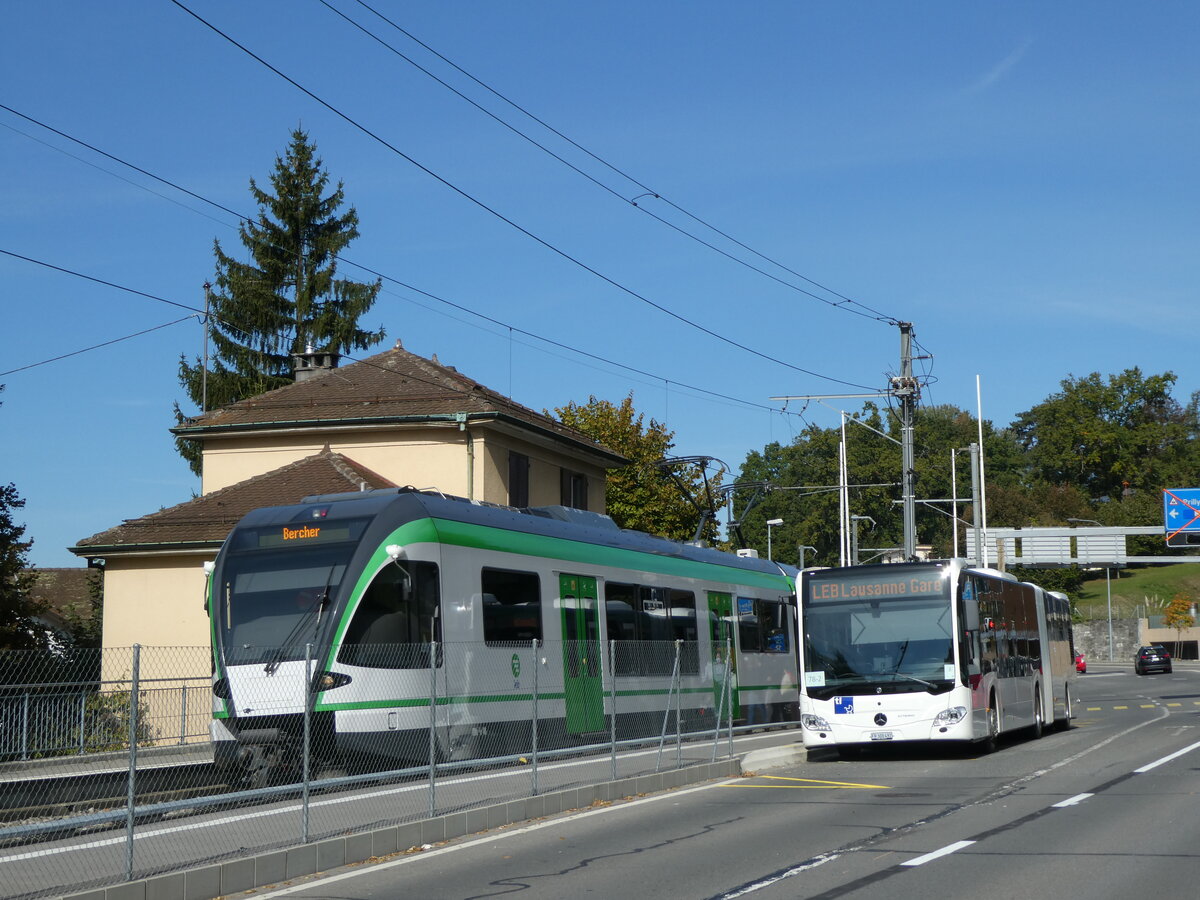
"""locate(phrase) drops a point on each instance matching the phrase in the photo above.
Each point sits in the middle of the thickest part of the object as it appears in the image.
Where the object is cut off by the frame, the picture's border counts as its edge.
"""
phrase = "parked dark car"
(1080, 663)
(1153, 658)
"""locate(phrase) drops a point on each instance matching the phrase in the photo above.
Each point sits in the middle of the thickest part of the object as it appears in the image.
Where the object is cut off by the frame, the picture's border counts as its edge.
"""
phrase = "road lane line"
(1166, 759)
(936, 854)
(1071, 801)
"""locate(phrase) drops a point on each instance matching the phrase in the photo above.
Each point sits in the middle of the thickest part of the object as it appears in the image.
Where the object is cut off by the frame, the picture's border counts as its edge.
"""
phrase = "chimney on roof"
(311, 363)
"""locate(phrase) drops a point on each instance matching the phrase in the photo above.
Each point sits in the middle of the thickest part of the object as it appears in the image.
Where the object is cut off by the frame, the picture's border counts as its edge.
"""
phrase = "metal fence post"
(25, 726)
(305, 694)
(678, 708)
(612, 690)
(662, 734)
(131, 796)
(183, 713)
(720, 713)
(534, 732)
(729, 673)
(82, 722)
(432, 728)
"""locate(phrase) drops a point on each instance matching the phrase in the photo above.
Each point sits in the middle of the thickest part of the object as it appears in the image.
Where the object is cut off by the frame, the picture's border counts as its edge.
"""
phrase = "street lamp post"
(800, 548)
(771, 522)
(1107, 589)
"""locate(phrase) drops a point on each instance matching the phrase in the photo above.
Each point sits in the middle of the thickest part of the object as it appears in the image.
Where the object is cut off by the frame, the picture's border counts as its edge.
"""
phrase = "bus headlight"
(951, 716)
(814, 723)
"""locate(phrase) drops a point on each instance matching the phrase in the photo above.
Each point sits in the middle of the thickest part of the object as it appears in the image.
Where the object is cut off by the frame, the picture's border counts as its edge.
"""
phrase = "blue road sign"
(1181, 516)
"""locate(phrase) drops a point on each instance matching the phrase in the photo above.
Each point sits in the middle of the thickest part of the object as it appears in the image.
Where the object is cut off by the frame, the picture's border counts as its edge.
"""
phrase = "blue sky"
(1018, 180)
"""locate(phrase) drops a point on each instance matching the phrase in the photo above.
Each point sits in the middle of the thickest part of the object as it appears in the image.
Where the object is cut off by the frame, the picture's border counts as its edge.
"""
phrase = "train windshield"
(276, 592)
(877, 632)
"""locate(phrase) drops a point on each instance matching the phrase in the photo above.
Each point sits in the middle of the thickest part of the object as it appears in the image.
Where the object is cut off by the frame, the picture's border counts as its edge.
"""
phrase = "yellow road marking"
(1094, 708)
(811, 783)
(1120, 707)
(1144, 706)
(1174, 704)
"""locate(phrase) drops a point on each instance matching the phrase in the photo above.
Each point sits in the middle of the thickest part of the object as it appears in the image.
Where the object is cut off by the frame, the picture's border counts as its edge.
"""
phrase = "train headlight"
(327, 681)
(951, 716)
(814, 723)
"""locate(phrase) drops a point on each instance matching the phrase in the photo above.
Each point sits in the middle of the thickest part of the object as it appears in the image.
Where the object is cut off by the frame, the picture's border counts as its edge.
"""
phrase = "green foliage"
(1098, 449)
(1111, 438)
(803, 479)
(18, 609)
(642, 495)
(1068, 579)
(288, 297)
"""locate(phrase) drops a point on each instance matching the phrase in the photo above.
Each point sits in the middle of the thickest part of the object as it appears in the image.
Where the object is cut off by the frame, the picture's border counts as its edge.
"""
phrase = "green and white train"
(381, 609)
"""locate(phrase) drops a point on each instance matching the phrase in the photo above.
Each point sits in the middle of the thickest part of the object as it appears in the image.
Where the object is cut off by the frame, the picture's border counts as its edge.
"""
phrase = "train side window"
(773, 619)
(512, 606)
(396, 619)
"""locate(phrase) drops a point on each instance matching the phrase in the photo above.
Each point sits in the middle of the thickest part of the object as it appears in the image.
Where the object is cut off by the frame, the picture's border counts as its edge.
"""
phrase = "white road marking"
(1071, 801)
(945, 851)
(1166, 759)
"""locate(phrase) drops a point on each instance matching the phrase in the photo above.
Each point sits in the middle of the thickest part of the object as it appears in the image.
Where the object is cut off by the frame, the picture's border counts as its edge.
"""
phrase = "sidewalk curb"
(774, 758)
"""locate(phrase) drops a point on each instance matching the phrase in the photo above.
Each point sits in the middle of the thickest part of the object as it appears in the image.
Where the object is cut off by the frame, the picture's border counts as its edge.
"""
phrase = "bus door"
(582, 682)
(721, 620)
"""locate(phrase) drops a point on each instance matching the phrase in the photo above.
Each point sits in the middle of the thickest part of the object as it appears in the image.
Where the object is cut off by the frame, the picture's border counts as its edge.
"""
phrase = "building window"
(518, 480)
(574, 490)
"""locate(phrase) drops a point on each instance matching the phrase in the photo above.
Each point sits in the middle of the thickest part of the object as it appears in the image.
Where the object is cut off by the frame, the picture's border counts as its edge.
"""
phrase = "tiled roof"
(393, 386)
(64, 592)
(205, 521)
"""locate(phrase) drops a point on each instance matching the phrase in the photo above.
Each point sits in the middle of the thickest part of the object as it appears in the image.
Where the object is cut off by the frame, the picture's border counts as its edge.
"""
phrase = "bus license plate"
(881, 735)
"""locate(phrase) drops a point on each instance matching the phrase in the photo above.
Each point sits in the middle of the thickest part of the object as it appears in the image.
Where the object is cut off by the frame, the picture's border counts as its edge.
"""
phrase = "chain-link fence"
(141, 762)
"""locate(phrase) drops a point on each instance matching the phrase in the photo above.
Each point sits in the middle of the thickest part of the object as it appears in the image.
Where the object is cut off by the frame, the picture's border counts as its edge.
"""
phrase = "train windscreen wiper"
(318, 608)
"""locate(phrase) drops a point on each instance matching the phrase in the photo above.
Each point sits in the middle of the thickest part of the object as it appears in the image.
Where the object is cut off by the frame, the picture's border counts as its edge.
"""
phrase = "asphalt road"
(1101, 810)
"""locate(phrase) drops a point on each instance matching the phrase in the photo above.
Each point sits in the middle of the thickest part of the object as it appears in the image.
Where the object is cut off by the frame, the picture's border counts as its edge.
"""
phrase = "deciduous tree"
(643, 495)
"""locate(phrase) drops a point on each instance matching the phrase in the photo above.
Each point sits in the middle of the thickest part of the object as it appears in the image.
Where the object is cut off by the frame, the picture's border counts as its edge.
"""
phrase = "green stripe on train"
(482, 537)
(503, 698)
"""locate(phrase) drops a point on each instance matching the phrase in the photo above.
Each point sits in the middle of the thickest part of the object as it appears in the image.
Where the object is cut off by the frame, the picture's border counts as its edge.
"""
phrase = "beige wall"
(471, 463)
(422, 457)
(155, 601)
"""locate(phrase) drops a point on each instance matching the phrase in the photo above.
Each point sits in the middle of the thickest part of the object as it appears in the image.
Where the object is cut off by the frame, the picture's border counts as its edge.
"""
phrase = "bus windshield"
(877, 632)
(272, 600)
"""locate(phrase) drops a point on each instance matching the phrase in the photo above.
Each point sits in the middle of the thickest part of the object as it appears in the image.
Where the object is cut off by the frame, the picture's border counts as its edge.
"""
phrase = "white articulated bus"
(930, 651)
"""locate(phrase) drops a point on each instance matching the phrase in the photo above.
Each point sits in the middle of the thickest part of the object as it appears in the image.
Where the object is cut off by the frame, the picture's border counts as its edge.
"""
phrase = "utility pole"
(204, 371)
(904, 388)
(907, 391)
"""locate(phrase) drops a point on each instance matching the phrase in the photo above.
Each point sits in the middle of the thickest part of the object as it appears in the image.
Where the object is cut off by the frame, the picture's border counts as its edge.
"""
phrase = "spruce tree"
(18, 628)
(287, 298)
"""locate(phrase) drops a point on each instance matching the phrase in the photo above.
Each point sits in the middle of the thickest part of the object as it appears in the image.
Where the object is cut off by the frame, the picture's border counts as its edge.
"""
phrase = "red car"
(1080, 663)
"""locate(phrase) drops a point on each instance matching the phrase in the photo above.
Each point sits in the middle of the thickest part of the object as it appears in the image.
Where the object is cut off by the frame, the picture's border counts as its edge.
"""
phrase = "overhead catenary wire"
(201, 313)
(497, 214)
(378, 274)
(95, 346)
(843, 302)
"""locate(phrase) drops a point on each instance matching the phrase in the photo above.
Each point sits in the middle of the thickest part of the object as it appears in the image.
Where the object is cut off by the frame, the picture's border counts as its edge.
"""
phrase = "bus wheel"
(1039, 723)
(993, 726)
(1065, 723)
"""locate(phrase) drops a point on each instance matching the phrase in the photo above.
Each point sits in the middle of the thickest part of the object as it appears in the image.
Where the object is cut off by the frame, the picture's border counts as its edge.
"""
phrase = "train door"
(720, 617)
(582, 683)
